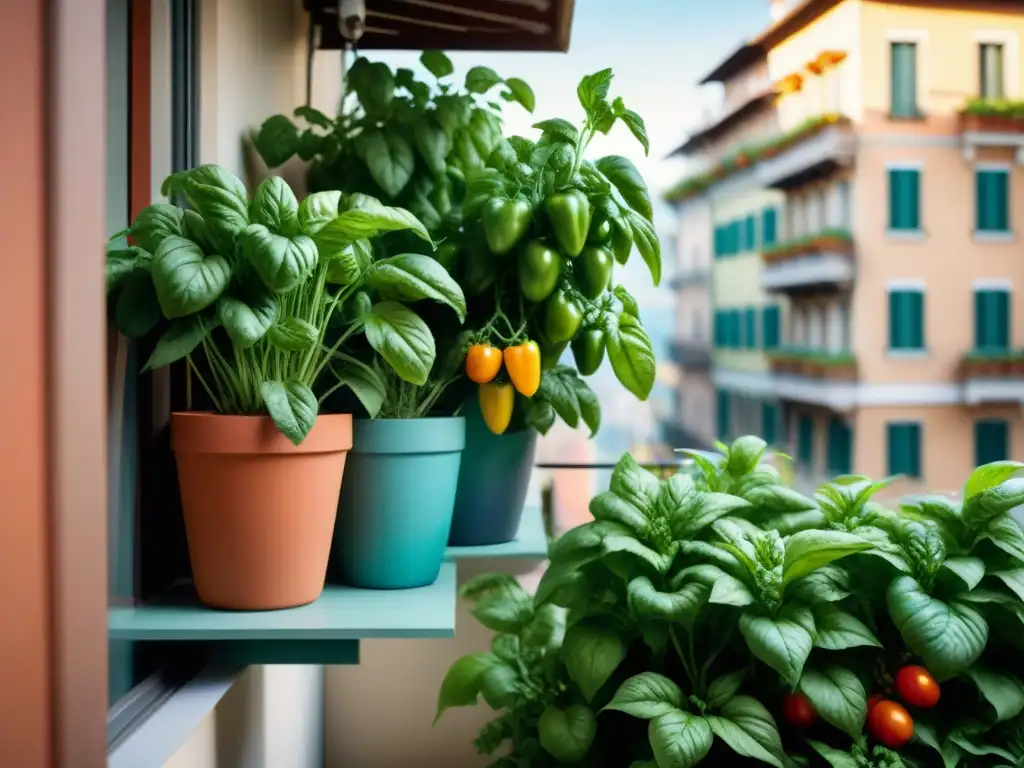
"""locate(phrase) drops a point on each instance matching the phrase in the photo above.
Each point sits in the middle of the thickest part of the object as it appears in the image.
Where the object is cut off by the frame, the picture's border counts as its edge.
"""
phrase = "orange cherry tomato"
(798, 710)
(917, 687)
(890, 724)
(523, 365)
(483, 363)
(873, 699)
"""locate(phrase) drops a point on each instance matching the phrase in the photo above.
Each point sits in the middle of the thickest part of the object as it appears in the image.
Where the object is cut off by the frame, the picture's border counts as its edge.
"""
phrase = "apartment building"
(900, 161)
(724, 316)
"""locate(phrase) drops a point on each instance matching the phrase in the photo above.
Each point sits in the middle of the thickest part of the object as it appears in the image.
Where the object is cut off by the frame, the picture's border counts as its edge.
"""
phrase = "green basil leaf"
(312, 116)
(180, 338)
(629, 304)
(646, 696)
(540, 415)
(679, 739)
(808, 551)
(608, 506)
(628, 182)
(828, 584)
(703, 512)
(779, 499)
(293, 407)
(481, 79)
(989, 476)
(282, 263)
(365, 218)
(749, 730)
(121, 262)
(567, 733)
(317, 211)
(277, 140)
(635, 485)
(547, 630)
(589, 405)
(970, 570)
(1004, 692)
(948, 751)
(744, 455)
(634, 122)
(220, 198)
(276, 207)
(292, 334)
(948, 638)
(402, 338)
(646, 240)
(592, 652)
(974, 748)
(724, 688)
(838, 697)
(500, 686)
(838, 630)
(247, 322)
(155, 223)
(631, 354)
(461, 684)
(681, 606)
(137, 310)
(520, 91)
(373, 83)
(432, 144)
(388, 157)
(187, 282)
(365, 382)
(993, 502)
(413, 277)
(1013, 579)
(557, 389)
(629, 545)
(558, 129)
(784, 642)
(594, 89)
(728, 590)
(437, 63)
(834, 757)
(622, 242)
(1005, 532)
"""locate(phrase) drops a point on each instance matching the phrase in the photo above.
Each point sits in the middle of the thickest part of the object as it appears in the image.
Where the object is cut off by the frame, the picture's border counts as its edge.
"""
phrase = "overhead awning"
(452, 25)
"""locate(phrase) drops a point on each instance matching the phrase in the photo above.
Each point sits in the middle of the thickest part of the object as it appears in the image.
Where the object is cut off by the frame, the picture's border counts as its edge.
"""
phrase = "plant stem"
(683, 658)
(706, 667)
(213, 397)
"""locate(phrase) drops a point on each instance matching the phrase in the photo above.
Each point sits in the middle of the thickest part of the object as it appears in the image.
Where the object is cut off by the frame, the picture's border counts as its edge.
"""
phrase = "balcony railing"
(992, 123)
(820, 262)
(817, 377)
(689, 278)
(814, 149)
(691, 353)
(992, 376)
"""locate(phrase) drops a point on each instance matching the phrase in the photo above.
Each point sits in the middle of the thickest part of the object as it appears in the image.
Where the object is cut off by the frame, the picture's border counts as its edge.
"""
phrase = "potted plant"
(541, 230)
(994, 115)
(244, 292)
(722, 618)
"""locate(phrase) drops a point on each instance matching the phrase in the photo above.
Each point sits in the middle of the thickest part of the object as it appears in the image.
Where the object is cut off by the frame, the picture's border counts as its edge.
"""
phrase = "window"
(904, 449)
(991, 67)
(992, 200)
(904, 80)
(735, 328)
(719, 241)
(906, 319)
(750, 233)
(719, 329)
(992, 319)
(734, 245)
(805, 441)
(750, 328)
(724, 420)
(839, 450)
(991, 441)
(770, 423)
(904, 199)
(769, 226)
(843, 213)
(770, 327)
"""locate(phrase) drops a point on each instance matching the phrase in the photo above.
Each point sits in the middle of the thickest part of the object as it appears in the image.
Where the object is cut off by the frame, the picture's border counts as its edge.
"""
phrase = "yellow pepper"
(496, 402)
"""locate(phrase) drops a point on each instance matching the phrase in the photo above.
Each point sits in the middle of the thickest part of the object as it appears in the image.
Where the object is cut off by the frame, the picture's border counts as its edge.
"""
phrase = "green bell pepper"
(505, 222)
(562, 317)
(593, 271)
(600, 230)
(539, 270)
(569, 215)
(588, 351)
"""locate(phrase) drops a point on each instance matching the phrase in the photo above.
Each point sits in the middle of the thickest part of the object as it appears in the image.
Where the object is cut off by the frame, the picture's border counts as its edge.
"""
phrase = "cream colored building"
(900, 247)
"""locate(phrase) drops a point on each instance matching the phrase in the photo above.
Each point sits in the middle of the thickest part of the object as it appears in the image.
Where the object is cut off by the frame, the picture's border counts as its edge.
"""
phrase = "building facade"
(900, 165)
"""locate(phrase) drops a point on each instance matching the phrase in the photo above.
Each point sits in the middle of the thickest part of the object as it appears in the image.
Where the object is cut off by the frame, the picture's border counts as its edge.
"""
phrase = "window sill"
(907, 354)
(906, 235)
(915, 117)
(989, 237)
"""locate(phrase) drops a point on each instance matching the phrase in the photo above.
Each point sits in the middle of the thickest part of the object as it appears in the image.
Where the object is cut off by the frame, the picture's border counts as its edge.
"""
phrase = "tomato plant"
(798, 711)
(917, 687)
(890, 724)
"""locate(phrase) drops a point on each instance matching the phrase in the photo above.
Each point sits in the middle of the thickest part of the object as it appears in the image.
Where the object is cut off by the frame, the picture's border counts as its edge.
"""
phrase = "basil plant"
(266, 298)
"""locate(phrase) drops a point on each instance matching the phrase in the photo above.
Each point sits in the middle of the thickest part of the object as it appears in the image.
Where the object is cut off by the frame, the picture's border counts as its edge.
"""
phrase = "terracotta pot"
(259, 511)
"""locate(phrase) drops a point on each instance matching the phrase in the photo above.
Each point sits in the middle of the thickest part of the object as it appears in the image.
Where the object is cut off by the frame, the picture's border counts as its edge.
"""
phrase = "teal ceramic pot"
(493, 482)
(396, 503)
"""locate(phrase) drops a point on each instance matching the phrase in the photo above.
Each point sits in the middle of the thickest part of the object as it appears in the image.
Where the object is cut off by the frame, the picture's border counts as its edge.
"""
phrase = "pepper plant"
(720, 617)
(254, 294)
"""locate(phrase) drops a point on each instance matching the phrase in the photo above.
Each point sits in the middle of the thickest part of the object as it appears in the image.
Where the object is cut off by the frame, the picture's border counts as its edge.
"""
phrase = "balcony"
(992, 376)
(820, 263)
(691, 353)
(818, 377)
(690, 278)
(992, 123)
(815, 149)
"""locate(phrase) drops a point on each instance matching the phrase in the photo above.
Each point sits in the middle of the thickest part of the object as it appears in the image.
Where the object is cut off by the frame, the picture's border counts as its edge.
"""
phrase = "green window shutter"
(750, 332)
(992, 320)
(904, 199)
(906, 320)
(839, 450)
(980, 329)
(769, 225)
(805, 441)
(770, 327)
(750, 227)
(904, 449)
(770, 423)
(737, 328)
(917, 320)
(903, 60)
(724, 420)
(1002, 332)
(992, 200)
(991, 441)
(992, 85)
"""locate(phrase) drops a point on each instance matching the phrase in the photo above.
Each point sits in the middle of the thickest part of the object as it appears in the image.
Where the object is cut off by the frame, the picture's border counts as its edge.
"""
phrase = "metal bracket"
(352, 19)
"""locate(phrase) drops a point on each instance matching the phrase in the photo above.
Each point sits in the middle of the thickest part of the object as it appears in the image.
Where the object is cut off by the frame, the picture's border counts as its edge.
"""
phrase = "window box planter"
(829, 241)
(984, 364)
(813, 364)
(993, 116)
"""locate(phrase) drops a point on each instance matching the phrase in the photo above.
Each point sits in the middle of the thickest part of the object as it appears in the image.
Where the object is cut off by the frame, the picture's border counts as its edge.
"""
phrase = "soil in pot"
(395, 510)
(259, 511)
(493, 482)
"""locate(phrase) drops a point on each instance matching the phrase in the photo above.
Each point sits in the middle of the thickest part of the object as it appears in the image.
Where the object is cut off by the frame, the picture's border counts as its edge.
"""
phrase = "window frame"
(895, 290)
(805, 441)
(991, 288)
(895, 228)
(1003, 171)
(835, 423)
(1010, 40)
(983, 47)
(913, 111)
(891, 459)
(979, 425)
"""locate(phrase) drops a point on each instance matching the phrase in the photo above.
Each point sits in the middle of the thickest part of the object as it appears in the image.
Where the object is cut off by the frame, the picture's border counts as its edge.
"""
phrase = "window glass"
(992, 85)
(904, 80)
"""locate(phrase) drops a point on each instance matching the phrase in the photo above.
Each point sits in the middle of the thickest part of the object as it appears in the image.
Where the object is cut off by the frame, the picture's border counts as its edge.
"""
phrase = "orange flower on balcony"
(790, 84)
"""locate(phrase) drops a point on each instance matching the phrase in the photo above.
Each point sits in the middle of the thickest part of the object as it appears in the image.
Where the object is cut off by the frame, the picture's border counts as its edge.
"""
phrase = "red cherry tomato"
(798, 710)
(917, 687)
(873, 699)
(890, 724)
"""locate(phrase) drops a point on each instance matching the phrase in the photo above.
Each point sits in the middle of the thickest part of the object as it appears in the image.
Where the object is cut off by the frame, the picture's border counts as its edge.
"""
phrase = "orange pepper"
(523, 365)
(496, 403)
(483, 363)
